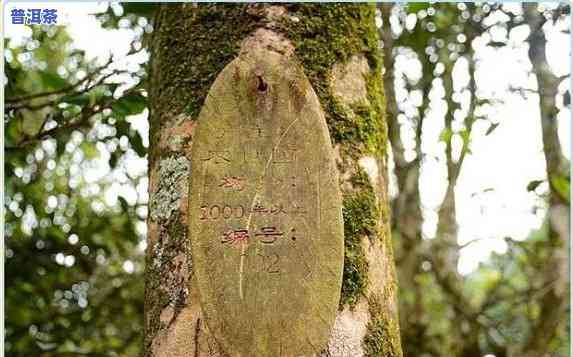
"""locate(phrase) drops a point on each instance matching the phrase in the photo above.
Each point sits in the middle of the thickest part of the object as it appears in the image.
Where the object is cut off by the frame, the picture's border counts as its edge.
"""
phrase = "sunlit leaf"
(90, 151)
(446, 135)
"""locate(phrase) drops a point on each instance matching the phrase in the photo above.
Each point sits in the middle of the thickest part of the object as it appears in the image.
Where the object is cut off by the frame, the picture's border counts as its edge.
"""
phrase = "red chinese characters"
(234, 236)
(265, 235)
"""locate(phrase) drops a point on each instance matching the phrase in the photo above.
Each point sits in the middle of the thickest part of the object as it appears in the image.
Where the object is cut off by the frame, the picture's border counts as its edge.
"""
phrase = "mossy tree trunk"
(337, 46)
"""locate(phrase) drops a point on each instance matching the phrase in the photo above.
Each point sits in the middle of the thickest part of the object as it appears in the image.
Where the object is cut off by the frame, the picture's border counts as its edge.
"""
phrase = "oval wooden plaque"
(265, 213)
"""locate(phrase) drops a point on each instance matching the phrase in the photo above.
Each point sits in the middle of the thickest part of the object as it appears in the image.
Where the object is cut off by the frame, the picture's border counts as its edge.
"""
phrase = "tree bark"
(337, 45)
(554, 302)
(407, 216)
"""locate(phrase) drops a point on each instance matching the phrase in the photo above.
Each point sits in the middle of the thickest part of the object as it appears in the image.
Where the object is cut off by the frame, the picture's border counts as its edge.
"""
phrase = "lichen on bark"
(173, 174)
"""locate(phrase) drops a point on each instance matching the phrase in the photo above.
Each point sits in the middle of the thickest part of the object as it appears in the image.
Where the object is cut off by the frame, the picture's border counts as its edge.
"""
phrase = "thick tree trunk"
(337, 46)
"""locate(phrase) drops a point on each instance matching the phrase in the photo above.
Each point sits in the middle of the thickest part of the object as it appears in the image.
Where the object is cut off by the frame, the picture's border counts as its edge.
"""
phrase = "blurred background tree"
(76, 185)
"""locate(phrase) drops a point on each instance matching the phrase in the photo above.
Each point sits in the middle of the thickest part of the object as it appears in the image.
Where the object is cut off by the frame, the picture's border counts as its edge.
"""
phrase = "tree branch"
(62, 90)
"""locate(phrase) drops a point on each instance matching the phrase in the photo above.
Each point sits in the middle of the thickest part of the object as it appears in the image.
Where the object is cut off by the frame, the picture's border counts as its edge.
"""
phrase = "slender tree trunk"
(412, 250)
(555, 300)
(337, 45)
(406, 209)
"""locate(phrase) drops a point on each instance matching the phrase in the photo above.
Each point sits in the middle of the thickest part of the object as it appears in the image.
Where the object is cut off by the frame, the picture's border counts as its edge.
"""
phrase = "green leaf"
(465, 135)
(123, 127)
(52, 80)
(533, 185)
(129, 105)
(491, 128)
(82, 99)
(444, 19)
(123, 203)
(496, 44)
(414, 7)
(32, 123)
(140, 9)
(137, 145)
(446, 135)
(90, 150)
(114, 159)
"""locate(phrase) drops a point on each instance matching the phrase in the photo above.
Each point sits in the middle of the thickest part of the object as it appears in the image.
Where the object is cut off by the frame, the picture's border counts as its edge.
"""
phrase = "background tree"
(440, 312)
(337, 46)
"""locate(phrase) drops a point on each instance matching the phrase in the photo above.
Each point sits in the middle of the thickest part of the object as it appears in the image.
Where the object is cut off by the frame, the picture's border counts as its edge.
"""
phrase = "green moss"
(361, 126)
(185, 59)
(376, 114)
(324, 36)
(355, 273)
(360, 208)
(382, 338)
(332, 34)
(361, 214)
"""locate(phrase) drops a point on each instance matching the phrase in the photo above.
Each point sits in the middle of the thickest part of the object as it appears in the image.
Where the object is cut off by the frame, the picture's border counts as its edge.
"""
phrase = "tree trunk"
(407, 216)
(555, 300)
(337, 46)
